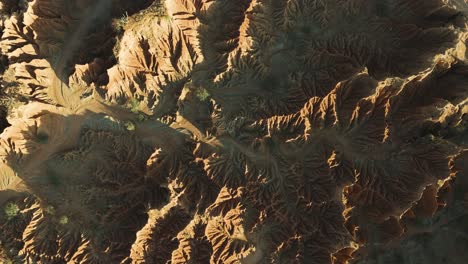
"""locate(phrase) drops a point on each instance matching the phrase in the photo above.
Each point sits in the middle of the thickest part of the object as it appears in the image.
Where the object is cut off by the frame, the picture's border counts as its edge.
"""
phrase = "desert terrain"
(234, 131)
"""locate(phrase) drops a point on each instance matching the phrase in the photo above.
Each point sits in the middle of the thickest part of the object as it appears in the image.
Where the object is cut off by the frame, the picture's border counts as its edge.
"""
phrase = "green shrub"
(120, 24)
(11, 210)
(134, 105)
(63, 220)
(202, 94)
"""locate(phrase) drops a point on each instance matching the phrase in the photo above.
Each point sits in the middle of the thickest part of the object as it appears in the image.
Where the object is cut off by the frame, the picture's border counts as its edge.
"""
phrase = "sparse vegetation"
(134, 105)
(142, 117)
(185, 234)
(119, 27)
(11, 210)
(157, 9)
(227, 131)
(4, 258)
(130, 126)
(202, 94)
(63, 220)
(160, 10)
(10, 95)
(121, 22)
(50, 210)
(7, 261)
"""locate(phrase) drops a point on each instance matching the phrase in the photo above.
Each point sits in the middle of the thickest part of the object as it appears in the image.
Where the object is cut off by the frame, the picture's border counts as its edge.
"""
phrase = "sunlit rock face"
(216, 131)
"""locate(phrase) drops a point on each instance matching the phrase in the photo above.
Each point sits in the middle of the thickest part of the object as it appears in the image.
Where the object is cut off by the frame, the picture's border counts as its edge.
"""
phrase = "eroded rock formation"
(216, 131)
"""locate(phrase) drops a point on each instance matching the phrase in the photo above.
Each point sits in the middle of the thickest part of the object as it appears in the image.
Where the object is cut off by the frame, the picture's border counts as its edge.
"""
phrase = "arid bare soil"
(234, 131)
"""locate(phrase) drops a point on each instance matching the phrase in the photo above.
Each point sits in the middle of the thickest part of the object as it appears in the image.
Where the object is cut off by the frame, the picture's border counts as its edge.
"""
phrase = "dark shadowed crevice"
(3, 121)
(122, 7)
(90, 35)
